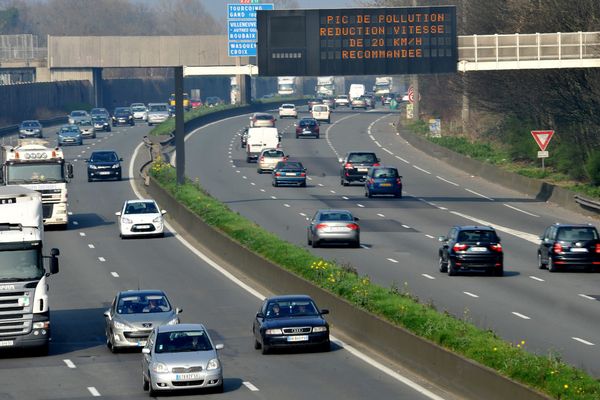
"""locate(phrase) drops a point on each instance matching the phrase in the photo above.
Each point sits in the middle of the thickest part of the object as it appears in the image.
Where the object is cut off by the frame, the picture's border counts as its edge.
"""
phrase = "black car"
(101, 123)
(307, 127)
(289, 173)
(244, 137)
(355, 166)
(471, 248)
(104, 164)
(569, 245)
(123, 116)
(290, 321)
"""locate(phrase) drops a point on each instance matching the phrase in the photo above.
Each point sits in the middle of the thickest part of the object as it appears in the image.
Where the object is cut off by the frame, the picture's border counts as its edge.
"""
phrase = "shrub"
(592, 167)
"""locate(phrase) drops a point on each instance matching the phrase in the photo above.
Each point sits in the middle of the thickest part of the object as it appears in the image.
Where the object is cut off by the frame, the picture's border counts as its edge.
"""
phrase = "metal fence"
(21, 47)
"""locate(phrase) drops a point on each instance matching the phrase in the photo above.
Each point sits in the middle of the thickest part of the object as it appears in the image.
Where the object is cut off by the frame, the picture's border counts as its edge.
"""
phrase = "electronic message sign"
(369, 41)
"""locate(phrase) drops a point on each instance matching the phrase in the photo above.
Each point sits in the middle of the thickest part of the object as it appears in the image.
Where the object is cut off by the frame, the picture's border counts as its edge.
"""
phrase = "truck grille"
(50, 195)
(12, 314)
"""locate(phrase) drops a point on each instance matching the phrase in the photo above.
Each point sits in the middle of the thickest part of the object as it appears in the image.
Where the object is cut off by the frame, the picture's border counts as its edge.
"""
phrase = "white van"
(356, 90)
(321, 112)
(261, 138)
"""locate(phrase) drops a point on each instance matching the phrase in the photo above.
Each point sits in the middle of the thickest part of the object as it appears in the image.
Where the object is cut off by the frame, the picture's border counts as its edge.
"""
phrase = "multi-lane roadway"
(529, 307)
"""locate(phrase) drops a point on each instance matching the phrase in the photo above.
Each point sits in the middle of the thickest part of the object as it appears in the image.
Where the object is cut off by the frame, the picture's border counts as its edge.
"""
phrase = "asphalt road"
(541, 311)
(95, 264)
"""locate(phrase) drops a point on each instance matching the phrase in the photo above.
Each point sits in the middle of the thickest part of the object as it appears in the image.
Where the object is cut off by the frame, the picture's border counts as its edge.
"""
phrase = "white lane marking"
(471, 295)
(381, 215)
(421, 169)
(262, 190)
(446, 180)
(274, 198)
(519, 210)
(332, 191)
(523, 235)
(250, 386)
(371, 136)
(377, 143)
(320, 184)
(93, 144)
(585, 296)
(93, 391)
(387, 151)
(392, 260)
(337, 155)
(238, 171)
(82, 151)
(535, 278)
(253, 184)
(405, 226)
(443, 208)
(479, 194)
(520, 315)
(309, 178)
(364, 246)
(245, 177)
(428, 276)
(101, 259)
(70, 363)
(91, 246)
(304, 215)
(362, 356)
(114, 274)
(583, 341)
(360, 205)
(81, 233)
(75, 223)
(78, 155)
(345, 198)
(70, 212)
(286, 205)
(403, 160)
(430, 237)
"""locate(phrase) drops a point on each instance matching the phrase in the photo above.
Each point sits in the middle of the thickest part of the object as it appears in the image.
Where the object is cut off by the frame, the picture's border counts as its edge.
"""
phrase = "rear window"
(477, 236)
(362, 158)
(158, 107)
(307, 122)
(290, 106)
(336, 216)
(320, 108)
(289, 165)
(273, 153)
(385, 173)
(577, 233)
(264, 117)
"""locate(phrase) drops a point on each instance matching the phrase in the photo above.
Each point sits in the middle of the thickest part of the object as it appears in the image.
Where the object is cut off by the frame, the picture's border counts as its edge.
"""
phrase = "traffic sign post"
(542, 138)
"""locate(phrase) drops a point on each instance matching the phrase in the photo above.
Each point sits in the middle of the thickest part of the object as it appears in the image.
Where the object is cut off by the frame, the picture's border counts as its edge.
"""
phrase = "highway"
(95, 264)
(529, 307)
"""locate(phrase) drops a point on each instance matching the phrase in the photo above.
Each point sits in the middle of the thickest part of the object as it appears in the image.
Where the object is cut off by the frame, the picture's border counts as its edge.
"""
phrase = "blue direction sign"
(241, 28)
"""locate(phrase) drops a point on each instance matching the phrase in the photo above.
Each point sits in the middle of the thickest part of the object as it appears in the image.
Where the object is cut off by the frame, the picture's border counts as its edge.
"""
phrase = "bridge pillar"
(97, 85)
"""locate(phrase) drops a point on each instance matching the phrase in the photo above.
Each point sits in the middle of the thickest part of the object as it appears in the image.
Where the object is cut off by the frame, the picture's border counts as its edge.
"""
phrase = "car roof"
(140, 201)
(180, 327)
(475, 227)
(559, 225)
(327, 210)
(29, 121)
(289, 297)
(288, 104)
(141, 292)
(104, 151)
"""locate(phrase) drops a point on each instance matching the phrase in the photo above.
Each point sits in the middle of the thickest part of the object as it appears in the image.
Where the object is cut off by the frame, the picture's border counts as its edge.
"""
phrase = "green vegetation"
(546, 373)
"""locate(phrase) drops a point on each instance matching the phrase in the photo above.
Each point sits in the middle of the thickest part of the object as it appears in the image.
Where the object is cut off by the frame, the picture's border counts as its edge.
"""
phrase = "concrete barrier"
(540, 190)
(460, 375)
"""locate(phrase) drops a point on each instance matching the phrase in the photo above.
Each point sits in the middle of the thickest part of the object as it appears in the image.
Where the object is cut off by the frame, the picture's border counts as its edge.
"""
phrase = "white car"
(139, 111)
(342, 100)
(139, 218)
(288, 110)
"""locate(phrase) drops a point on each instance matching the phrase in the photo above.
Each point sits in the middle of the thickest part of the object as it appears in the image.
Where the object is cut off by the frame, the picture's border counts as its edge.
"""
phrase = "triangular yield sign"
(542, 138)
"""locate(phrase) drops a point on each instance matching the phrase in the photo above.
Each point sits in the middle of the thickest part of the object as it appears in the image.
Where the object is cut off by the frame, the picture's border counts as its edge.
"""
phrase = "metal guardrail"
(593, 204)
(12, 129)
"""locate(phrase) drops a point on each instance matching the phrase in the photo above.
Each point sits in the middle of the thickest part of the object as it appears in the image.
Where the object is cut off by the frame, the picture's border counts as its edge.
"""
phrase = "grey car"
(87, 129)
(30, 129)
(133, 315)
(69, 135)
(157, 113)
(333, 226)
(181, 357)
(77, 116)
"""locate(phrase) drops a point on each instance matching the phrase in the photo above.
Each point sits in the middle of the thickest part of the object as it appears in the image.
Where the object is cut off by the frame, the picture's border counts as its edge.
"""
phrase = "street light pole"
(179, 131)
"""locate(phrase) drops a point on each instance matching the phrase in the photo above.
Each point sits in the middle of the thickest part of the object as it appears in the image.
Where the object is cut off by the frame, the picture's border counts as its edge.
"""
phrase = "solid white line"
(471, 295)
(250, 386)
(377, 143)
(381, 215)
(446, 180)
(387, 151)
(70, 363)
(519, 210)
(479, 194)
(286, 205)
(360, 205)
(583, 341)
(114, 274)
(94, 391)
(585, 296)
(421, 169)
(102, 259)
(430, 237)
(402, 159)
(81, 233)
(392, 260)
(428, 276)
(91, 246)
(523, 235)
(371, 136)
(520, 315)
(535, 278)
(75, 223)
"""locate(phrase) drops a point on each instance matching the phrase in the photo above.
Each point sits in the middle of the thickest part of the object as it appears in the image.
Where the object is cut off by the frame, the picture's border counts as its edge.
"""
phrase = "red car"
(196, 103)
(307, 127)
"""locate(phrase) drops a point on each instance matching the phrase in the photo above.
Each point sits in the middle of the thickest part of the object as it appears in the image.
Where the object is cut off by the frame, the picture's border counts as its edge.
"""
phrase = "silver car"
(181, 357)
(77, 116)
(30, 129)
(87, 129)
(268, 159)
(157, 113)
(333, 226)
(132, 316)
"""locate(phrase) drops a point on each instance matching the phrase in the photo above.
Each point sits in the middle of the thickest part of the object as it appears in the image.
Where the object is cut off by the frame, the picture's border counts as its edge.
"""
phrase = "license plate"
(337, 229)
(297, 338)
(290, 174)
(579, 250)
(385, 184)
(144, 226)
(6, 343)
(478, 249)
(104, 173)
(362, 169)
(187, 377)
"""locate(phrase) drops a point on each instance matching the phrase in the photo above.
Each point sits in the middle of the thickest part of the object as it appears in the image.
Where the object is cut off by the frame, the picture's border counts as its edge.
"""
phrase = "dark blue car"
(104, 164)
(383, 181)
(289, 173)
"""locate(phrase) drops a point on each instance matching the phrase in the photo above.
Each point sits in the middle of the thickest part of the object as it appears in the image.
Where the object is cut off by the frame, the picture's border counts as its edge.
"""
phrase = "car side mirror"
(541, 238)
(499, 239)
(163, 212)
(219, 346)
(118, 213)
(145, 350)
(121, 159)
(324, 311)
(356, 219)
(442, 238)
(107, 314)
(260, 315)
(178, 310)
(54, 261)
(55, 252)
(378, 160)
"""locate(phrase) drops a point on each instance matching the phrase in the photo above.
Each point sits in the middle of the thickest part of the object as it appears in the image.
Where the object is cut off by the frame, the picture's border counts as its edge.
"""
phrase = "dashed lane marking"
(471, 295)
(519, 210)
(447, 181)
(392, 260)
(585, 296)
(430, 237)
(101, 259)
(381, 215)
(387, 151)
(377, 143)
(81, 233)
(94, 391)
(332, 191)
(405, 226)
(520, 315)
(250, 386)
(69, 363)
(91, 246)
(360, 205)
(535, 278)
(421, 169)
(274, 198)
(114, 274)
(403, 160)
(286, 205)
(345, 198)
(583, 341)
(428, 276)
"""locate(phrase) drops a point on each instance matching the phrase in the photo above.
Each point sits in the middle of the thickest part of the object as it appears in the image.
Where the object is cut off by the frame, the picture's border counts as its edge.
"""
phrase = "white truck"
(33, 165)
(24, 309)
(383, 85)
(356, 90)
(286, 85)
(261, 138)
(325, 86)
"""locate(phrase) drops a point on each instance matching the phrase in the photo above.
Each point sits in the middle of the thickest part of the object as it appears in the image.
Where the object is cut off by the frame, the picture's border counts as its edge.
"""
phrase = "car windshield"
(138, 108)
(98, 111)
(158, 107)
(69, 131)
(141, 207)
(141, 303)
(85, 123)
(121, 110)
(362, 158)
(385, 173)
(273, 154)
(342, 97)
(477, 236)
(182, 341)
(289, 165)
(30, 124)
(577, 233)
(105, 156)
(98, 118)
(291, 308)
(78, 114)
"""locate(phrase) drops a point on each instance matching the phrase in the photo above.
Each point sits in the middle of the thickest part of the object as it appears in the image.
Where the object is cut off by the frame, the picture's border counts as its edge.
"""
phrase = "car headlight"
(71, 120)
(213, 364)
(92, 166)
(157, 219)
(126, 220)
(159, 368)
(273, 332)
(37, 130)
(317, 329)
(120, 325)
(115, 166)
(174, 321)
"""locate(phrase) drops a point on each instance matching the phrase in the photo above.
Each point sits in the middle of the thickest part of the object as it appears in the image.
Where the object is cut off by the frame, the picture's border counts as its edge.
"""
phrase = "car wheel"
(303, 184)
(442, 265)
(149, 123)
(317, 137)
(498, 271)
(325, 347)
(344, 182)
(308, 241)
(259, 171)
(551, 265)
(265, 349)
(356, 244)
(113, 349)
(541, 265)
(297, 137)
(451, 268)
(315, 243)
(219, 388)
(89, 179)
(151, 391)
(369, 194)
(275, 183)
(145, 384)
(257, 344)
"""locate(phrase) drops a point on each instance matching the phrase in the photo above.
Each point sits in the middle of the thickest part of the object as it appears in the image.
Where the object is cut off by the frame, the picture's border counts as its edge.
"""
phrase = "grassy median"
(545, 373)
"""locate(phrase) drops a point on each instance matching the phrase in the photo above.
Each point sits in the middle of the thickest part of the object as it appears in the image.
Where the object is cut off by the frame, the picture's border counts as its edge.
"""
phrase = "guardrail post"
(179, 132)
